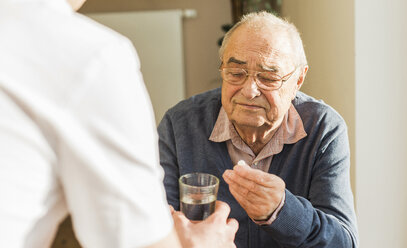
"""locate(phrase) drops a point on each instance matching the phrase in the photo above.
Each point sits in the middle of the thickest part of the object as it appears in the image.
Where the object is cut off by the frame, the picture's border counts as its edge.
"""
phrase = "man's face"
(247, 105)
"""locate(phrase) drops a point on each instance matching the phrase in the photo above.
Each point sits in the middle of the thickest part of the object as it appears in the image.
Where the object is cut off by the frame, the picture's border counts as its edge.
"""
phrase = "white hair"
(265, 21)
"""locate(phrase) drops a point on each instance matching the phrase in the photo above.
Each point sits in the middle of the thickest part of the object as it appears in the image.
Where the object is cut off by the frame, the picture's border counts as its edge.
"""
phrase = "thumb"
(180, 219)
(172, 210)
(233, 224)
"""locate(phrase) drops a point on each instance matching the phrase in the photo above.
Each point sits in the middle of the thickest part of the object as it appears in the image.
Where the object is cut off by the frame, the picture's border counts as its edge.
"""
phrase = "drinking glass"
(198, 193)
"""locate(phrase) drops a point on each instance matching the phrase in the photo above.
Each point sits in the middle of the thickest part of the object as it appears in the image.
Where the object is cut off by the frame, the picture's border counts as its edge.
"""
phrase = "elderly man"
(283, 156)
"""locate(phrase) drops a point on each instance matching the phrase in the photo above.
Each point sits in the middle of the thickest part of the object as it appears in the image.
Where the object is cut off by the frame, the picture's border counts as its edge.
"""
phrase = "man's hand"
(215, 231)
(259, 193)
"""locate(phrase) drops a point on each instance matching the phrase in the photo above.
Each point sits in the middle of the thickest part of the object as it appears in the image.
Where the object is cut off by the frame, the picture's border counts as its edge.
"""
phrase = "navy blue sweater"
(318, 209)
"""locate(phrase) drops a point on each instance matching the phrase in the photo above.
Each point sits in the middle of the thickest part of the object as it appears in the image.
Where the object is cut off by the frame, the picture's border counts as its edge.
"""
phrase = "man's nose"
(250, 89)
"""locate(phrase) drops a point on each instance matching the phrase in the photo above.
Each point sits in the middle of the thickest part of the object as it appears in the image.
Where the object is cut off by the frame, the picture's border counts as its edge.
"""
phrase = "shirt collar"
(290, 131)
(221, 132)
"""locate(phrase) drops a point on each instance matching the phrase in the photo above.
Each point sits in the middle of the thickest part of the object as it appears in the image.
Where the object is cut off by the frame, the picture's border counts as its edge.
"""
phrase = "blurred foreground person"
(77, 136)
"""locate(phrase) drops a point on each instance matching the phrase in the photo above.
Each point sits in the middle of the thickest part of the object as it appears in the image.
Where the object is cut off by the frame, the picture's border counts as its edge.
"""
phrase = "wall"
(162, 63)
(200, 34)
(381, 117)
(327, 30)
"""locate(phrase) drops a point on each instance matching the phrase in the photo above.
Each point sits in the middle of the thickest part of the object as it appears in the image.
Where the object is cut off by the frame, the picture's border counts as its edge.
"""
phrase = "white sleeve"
(109, 167)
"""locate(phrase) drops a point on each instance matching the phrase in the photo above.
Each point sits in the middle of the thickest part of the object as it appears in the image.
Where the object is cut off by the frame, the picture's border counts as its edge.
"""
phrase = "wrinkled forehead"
(263, 46)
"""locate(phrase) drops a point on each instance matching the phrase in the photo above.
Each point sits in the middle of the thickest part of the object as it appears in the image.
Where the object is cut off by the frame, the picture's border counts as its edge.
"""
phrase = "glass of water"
(198, 193)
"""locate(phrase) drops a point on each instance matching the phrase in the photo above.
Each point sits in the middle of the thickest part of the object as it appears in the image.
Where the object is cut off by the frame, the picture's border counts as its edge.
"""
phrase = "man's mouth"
(249, 106)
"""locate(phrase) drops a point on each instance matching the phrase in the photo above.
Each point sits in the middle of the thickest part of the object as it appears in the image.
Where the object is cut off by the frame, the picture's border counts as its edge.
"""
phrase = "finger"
(261, 196)
(172, 210)
(232, 178)
(227, 177)
(180, 219)
(258, 176)
(241, 199)
(222, 211)
(255, 209)
(233, 224)
(222, 207)
(248, 196)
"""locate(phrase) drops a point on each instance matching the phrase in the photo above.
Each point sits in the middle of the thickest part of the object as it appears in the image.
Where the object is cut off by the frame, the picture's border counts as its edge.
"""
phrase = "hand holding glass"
(198, 193)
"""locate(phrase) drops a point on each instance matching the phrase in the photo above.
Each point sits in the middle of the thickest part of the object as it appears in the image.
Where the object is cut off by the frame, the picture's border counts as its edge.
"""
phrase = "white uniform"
(77, 133)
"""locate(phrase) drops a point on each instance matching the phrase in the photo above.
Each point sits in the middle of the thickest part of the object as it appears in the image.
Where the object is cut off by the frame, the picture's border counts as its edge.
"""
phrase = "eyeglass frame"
(283, 79)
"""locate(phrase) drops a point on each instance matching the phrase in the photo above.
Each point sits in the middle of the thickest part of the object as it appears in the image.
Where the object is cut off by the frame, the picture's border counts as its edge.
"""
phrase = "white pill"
(241, 162)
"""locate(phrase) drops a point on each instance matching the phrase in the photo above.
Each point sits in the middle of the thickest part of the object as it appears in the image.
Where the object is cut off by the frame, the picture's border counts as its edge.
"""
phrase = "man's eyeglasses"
(265, 80)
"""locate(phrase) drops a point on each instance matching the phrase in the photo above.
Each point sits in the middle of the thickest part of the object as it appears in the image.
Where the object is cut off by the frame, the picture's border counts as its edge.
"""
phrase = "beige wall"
(381, 117)
(327, 29)
(200, 34)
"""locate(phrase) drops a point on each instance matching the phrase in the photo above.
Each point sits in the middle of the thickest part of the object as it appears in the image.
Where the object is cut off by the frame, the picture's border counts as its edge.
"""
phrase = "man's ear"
(300, 81)
(302, 77)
